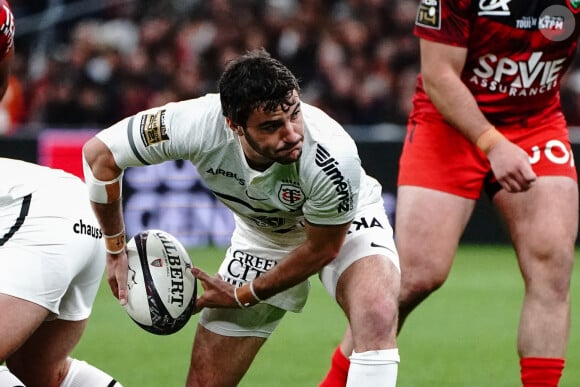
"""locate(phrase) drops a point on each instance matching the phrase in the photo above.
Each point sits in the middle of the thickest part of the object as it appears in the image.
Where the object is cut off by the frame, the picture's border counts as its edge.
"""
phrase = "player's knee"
(422, 282)
(382, 315)
(82, 373)
(8, 379)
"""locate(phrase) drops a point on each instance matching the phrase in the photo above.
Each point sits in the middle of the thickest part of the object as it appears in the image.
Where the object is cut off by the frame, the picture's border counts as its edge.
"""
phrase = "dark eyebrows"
(270, 123)
(277, 123)
(296, 107)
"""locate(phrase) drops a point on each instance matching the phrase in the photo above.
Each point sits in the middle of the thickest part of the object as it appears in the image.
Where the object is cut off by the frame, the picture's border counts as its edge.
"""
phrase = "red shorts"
(437, 156)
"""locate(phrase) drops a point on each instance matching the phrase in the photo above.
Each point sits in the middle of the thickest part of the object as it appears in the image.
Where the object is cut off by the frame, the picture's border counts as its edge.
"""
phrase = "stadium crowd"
(357, 59)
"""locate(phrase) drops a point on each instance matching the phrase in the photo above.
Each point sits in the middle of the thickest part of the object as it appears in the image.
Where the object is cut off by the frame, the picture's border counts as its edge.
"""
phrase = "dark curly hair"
(255, 80)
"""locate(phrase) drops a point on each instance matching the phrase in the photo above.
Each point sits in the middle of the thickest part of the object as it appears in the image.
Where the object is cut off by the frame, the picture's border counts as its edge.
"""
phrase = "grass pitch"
(464, 335)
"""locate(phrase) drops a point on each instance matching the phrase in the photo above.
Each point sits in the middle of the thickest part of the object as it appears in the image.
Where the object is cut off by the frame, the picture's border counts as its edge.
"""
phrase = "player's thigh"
(428, 226)
(18, 321)
(45, 352)
(543, 224)
(218, 360)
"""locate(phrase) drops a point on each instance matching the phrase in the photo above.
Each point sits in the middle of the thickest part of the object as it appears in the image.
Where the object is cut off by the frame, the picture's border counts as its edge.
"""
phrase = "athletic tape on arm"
(103, 192)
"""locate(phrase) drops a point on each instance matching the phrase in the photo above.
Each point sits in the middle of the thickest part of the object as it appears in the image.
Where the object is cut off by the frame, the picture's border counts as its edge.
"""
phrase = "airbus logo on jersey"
(494, 8)
(330, 167)
(518, 78)
(223, 172)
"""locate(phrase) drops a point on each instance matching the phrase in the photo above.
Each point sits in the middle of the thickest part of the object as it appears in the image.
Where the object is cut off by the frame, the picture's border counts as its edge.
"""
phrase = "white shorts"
(369, 234)
(259, 320)
(53, 254)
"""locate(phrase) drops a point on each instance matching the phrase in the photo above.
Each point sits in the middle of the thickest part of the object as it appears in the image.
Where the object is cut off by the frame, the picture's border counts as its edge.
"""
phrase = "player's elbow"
(328, 254)
(100, 160)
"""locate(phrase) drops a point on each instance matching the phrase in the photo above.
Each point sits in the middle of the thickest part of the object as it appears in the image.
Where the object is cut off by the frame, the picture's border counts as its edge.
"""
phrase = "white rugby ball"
(161, 288)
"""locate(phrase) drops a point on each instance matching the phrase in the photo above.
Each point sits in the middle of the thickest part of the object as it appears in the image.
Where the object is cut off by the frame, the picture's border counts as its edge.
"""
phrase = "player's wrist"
(246, 296)
(115, 243)
(489, 139)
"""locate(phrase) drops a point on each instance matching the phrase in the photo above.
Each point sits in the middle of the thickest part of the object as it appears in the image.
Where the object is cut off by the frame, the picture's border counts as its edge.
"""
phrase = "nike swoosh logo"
(373, 244)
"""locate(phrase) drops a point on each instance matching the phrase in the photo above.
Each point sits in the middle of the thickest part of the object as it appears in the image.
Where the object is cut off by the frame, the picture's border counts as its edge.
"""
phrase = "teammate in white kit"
(52, 258)
(302, 203)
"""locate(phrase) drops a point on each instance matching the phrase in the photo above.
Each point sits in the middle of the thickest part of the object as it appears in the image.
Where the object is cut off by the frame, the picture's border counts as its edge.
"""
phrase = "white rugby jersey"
(325, 186)
(20, 178)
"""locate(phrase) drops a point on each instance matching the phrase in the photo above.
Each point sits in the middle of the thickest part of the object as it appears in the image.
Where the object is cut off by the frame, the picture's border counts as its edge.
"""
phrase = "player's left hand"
(217, 293)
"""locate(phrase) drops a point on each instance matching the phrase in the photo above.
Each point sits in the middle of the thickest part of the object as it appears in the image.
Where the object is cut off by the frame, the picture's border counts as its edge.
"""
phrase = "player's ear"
(235, 127)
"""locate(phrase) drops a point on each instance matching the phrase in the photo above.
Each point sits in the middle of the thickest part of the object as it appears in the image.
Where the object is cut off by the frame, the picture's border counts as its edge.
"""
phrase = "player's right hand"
(117, 270)
(511, 166)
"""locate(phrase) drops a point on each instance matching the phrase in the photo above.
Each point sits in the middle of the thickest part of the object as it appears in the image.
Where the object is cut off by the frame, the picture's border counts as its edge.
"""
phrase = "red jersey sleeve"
(6, 29)
(444, 21)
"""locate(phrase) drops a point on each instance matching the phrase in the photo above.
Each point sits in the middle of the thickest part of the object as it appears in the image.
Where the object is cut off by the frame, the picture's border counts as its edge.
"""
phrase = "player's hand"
(511, 166)
(217, 293)
(117, 270)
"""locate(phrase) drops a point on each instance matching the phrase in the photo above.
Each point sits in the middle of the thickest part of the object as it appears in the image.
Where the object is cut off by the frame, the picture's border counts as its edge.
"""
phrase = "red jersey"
(517, 52)
(6, 29)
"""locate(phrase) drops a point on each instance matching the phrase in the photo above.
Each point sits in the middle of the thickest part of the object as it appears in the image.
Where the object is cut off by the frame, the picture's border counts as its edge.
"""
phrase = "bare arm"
(321, 246)
(441, 67)
(110, 215)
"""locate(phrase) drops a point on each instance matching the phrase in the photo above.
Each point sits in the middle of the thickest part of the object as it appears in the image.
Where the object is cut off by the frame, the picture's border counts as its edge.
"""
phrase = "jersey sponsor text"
(223, 172)
(531, 77)
(245, 267)
(330, 167)
(494, 8)
(83, 228)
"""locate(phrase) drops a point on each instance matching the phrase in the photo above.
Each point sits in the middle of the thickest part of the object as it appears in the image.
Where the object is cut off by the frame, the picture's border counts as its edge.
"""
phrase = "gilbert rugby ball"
(161, 288)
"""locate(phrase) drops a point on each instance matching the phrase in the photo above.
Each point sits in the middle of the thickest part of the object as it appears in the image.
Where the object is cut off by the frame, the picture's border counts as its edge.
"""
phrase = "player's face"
(274, 136)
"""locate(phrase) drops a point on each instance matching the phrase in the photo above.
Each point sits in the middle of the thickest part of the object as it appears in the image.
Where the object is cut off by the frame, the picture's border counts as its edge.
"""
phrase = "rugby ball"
(161, 288)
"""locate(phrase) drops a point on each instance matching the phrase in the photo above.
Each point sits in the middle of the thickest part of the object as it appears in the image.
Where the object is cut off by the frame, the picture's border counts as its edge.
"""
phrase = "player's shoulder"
(317, 120)
(205, 106)
(7, 28)
(320, 125)
(324, 139)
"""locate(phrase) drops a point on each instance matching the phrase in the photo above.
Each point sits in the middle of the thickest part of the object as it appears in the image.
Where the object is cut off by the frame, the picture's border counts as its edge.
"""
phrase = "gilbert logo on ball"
(161, 288)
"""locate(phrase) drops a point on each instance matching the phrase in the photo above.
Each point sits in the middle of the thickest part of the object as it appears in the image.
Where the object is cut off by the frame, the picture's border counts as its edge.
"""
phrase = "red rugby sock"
(338, 371)
(541, 372)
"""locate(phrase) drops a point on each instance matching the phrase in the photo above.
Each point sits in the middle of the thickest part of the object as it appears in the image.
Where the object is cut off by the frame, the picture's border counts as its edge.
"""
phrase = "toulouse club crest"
(290, 195)
(574, 5)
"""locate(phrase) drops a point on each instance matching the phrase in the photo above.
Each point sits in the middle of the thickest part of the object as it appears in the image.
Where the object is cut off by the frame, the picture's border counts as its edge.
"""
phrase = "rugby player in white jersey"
(302, 204)
(52, 258)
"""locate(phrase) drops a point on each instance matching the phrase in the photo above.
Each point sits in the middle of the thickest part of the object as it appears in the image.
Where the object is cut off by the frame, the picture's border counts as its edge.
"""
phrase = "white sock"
(373, 368)
(7, 378)
(82, 374)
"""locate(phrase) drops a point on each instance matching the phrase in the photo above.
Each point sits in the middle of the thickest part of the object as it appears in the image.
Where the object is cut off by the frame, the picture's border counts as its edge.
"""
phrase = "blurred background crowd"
(89, 63)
